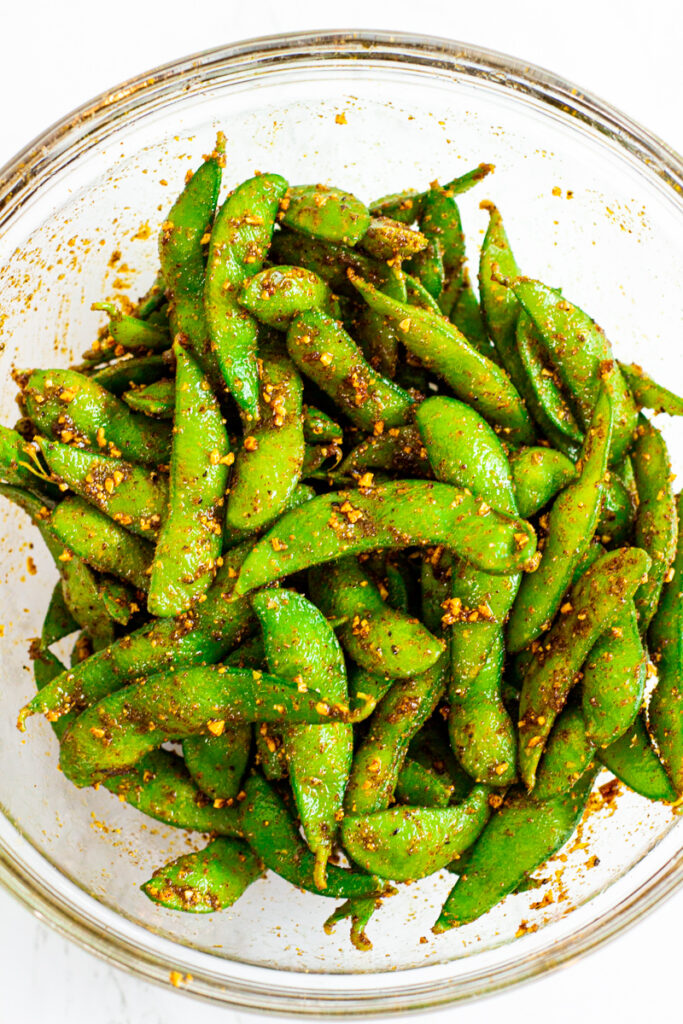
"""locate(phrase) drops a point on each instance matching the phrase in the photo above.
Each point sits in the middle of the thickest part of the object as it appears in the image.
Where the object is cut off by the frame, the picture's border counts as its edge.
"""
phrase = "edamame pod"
(440, 346)
(190, 539)
(466, 314)
(101, 542)
(577, 347)
(359, 911)
(648, 394)
(74, 409)
(656, 525)
(634, 761)
(206, 881)
(572, 524)
(181, 255)
(133, 496)
(419, 787)
(404, 843)
(319, 428)
(593, 603)
(239, 242)
(614, 677)
(666, 644)
(534, 830)
(301, 646)
(618, 512)
(538, 475)
(58, 622)
(427, 267)
(406, 206)
(20, 465)
(329, 260)
(568, 753)
(323, 350)
(269, 465)
(112, 736)
(324, 212)
(379, 638)
(351, 522)
(543, 381)
(274, 837)
(278, 294)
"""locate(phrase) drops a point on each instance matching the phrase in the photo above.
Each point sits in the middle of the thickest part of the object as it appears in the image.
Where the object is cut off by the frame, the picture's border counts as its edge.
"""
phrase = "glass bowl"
(592, 202)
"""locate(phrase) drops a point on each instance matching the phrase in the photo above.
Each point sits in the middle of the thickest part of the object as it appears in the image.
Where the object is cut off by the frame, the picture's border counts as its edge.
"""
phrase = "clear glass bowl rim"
(51, 152)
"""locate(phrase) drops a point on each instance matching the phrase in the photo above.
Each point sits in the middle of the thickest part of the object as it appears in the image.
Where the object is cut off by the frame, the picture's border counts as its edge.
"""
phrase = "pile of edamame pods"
(390, 560)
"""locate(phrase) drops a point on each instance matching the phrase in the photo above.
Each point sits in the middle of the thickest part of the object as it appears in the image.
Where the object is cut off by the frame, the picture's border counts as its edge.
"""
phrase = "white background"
(55, 55)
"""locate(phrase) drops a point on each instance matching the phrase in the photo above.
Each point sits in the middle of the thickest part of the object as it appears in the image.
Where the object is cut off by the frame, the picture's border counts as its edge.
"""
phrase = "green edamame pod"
(656, 525)
(666, 706)
(324, 212)
(618, 512)
(538, 475)
(118, 599)
(464, 450)
(498, 302)
(153, 299)
(58, 622)
(323, 350)
(379, 638)
(543, 382)
(127, 373)
(404, 843)
(301, 646)
(133, 496)
(190, 539)
(431, 750)
(278, 294)
(156, 400)
(131, 331)
(614, 677)
(319, 428)
(46, 667)
(112, 736)
(274, 837)
(218, 763)
(181, 255)
(593, 603)
(399, 449)
(201, 636)
(572, 524)
(206, 881)
(341, 523)
(568, 753)
(648, 394)
(406, 206)
(440, 346)
(160, 786)
(101, 542)
(534, 830)
(389, 239)
(73, 408)
(634, 761)
(269, 465)
(577, 347)
(239, 242)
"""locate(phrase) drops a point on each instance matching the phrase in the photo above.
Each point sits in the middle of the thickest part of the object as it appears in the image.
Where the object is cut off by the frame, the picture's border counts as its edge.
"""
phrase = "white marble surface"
(55, 56)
